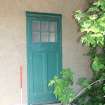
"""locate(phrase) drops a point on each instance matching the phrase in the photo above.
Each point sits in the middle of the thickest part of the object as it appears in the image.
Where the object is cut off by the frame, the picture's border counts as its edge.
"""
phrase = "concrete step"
(54, 104)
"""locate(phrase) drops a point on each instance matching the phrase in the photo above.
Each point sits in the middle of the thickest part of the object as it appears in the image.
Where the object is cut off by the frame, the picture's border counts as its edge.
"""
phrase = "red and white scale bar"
(21, 84)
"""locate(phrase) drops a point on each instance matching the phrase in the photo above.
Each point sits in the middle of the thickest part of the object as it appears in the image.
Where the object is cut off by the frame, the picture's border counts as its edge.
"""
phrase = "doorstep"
(54, 104)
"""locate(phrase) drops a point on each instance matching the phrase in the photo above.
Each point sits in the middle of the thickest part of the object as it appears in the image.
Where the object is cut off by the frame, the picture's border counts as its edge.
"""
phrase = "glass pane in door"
(52, 27)
(44, 26)
(44, 36)
(52, 37)
(36, 26)
(35, 37)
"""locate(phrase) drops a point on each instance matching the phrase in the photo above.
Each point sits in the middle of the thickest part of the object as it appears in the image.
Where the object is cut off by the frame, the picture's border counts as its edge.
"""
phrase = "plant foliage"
(92, 26)
(62, 86)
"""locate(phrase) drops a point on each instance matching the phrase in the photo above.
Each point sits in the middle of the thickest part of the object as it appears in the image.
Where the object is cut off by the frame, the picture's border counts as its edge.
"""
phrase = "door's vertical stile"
(29, 53)
(45, 71)
(31, 62)
(59, 32)
(40, 33)
(48, 31)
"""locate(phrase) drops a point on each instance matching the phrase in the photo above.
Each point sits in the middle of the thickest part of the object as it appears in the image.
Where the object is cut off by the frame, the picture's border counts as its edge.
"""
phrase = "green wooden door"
(44, 55)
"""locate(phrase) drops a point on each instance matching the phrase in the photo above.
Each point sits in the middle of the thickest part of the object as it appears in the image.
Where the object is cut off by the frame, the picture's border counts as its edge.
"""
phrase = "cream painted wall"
(13, 42)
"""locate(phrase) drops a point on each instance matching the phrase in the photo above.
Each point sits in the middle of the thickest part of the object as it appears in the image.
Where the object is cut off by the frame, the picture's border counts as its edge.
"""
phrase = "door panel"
(44, 55)
(52, 64)
(39, 76)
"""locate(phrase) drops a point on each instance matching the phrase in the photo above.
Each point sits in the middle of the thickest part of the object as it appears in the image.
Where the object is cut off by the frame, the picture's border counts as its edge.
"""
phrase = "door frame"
(33, 14)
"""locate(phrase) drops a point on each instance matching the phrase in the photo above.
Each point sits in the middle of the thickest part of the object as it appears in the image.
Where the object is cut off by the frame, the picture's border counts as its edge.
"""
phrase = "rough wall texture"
(13, 42)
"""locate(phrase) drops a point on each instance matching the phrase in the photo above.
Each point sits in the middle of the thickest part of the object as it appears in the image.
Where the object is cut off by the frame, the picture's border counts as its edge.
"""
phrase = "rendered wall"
(13, 42)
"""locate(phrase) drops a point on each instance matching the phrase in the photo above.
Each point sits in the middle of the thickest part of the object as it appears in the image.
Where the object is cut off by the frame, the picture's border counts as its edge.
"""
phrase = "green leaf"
(98, 64)
(84, 82)
(104, 88)
(67, 75)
